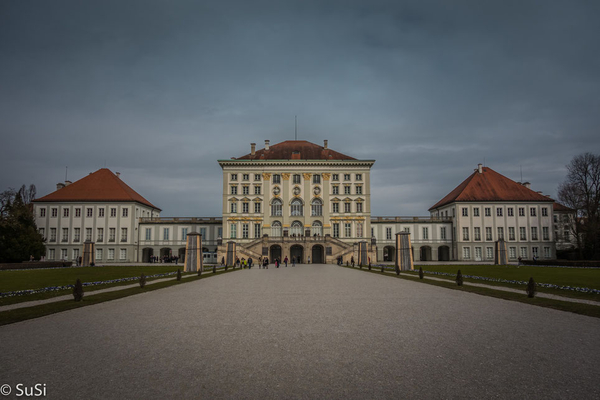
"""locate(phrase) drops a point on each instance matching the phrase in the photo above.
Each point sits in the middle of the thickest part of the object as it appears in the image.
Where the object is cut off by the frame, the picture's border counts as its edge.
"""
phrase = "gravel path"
(315, 331)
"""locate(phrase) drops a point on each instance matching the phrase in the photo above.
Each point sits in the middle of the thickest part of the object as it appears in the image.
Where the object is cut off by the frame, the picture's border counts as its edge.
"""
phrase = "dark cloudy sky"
(159, 90)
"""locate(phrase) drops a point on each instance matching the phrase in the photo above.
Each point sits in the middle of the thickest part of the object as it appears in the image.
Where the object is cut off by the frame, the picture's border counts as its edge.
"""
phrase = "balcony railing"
(181, 220)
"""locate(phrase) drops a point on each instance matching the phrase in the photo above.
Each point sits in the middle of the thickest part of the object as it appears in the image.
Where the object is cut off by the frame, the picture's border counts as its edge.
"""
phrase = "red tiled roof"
(490, 186)
(559, 207)
(102, 185)
(296, 150)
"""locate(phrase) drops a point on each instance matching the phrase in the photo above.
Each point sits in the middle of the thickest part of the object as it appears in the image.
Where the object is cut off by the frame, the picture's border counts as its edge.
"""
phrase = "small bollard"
(214, 269)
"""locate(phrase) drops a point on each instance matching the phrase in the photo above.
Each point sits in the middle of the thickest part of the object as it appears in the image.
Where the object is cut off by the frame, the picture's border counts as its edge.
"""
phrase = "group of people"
(262, 262)
(164, 259)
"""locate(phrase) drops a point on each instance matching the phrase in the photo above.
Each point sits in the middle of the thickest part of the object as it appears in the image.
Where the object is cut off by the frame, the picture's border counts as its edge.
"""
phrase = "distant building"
(564, 227)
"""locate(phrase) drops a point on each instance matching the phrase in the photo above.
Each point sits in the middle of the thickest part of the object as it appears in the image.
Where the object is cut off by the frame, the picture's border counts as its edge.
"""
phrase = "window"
(316, 179)
(523, 233)
(521, 211)
(276, 208)
(348, 230)
(425, 233)
(346, 177)
(532, 212)
(347, 189)
(317, 228)
(90, 212)
(111, 234)
(477, 233)
(233, 231)
(547, 252)
(388, 233)
(245, 190)
(359, 207)
(372, 232)
(500, 233)
(234, 190)
(478, 253)
(246, 177)
(443, 233)
(534, 251)
(203, 233)
(476, 212)
(125, 212)
(219, 232)
(498, 212)
(296, 228)
(111, 254)
(335, 207)
(335, 177)
(510, 211)
(77, 212)
(489, 253)
(63, 254)
(53, 234)
(257, 232)
(545, 233)
(336, 230)
(276, 229)
(65, 235)
(296, 208)
(488, 211)
(233, 207)
(257, 177)
(245, 231)
(347, 207)
(75, 254)
(277, 178)
(358, 177)
(98, 254)
(184, 232)
(317, 207)
(359, 190)
(466, 253)
(76, 234)
(488, 233)
(148, 233)
(101, 212)
(54, 212)
(256, 189)
(88, 233)
(123, 254)
(544, 212)
(65, 212)
(465, 233)
(511, 233)
(465, 212)
(523, 252)
(257, 207)
(407, 230)
(234, 177)
(359, 229)
(534, 233)
(51, 254)
(245, 207)
(335, 189)
(113, 212)
(42, 231)
(512, 252)
(42, 212)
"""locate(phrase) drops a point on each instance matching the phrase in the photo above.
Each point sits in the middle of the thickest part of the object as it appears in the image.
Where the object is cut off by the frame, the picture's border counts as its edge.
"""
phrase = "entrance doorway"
(146, 254)
(317, 254)
(275, 253)
(296, 251)
(388, 253)
(425, 253)
(443, 253)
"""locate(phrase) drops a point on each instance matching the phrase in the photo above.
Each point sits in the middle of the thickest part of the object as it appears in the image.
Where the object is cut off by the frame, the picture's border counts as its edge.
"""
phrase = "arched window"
(317, 229)
(317, 207)
(359, 229)
(296, 207)
(296, 228)
(276, 229)
(276, 208)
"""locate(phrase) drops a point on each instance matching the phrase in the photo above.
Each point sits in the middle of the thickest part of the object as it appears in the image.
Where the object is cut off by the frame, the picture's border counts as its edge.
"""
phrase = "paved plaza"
(314, 331)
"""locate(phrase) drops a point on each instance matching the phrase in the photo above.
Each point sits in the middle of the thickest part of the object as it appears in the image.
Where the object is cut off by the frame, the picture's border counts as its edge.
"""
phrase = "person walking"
(308, 260)
(352, 261)
(293, 261)
(250, 262)
(237, 262)
(285, 260)
(266, 263)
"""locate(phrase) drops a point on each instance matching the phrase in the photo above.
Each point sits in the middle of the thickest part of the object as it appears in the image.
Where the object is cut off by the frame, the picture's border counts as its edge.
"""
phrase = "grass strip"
(22, 314)
(577, 308)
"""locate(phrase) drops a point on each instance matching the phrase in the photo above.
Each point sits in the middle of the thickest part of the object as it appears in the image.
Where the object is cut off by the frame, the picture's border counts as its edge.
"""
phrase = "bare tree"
(581, 192)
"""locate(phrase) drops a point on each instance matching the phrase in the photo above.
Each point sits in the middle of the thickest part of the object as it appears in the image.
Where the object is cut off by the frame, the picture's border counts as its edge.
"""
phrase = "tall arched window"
(317, 207)
(276, 229)
(296, 228)
(276, 206)
(317, 228)
(296, 207)
(359, 229)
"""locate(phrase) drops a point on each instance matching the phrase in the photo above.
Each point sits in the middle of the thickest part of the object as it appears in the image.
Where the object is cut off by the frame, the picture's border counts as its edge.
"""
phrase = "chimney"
(252, 149)
(67, 183)
(480, 168)
(60, 185)
(325, 144)
(118, 174)
(266, 145)
(527, 185)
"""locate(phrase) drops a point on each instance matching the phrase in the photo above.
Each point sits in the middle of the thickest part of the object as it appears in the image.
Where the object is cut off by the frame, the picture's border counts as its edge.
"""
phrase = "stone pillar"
(363, 253)
(193, 252)
(89, 248)
(404, 258)
(500, 256)
(231, 249)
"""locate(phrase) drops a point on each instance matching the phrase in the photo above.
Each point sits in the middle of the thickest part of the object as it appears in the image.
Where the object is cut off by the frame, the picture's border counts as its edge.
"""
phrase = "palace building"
(302, 200)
